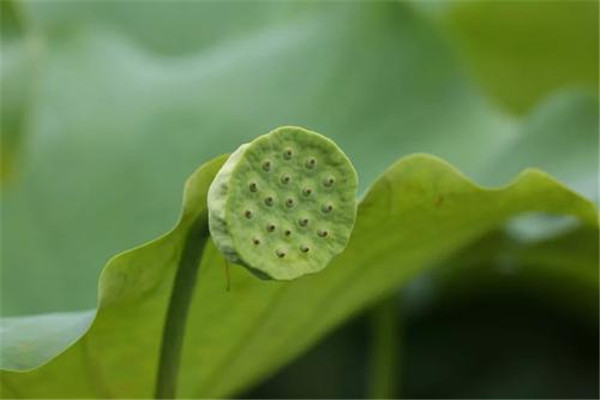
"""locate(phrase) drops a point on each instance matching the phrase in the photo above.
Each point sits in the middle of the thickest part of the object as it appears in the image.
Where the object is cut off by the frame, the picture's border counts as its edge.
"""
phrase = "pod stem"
(179, 304)
(384, 324)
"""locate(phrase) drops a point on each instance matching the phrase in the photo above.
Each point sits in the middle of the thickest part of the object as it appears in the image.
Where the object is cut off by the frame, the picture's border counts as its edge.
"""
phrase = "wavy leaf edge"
(590, 217)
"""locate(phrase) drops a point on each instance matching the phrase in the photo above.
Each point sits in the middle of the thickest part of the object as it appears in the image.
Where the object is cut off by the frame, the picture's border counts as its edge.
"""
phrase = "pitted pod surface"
(285, 204)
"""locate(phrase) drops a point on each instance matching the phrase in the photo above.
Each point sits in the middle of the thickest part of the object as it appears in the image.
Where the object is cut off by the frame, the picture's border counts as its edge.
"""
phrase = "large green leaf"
(126, 111)
(420, 211)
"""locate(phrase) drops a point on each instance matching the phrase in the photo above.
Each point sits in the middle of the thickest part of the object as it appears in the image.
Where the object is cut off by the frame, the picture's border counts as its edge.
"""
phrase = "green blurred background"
(108, 106)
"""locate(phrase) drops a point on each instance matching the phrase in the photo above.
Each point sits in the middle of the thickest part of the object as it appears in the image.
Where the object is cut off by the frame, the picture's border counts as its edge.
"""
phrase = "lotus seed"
(311, 162)
(285, 202)
(280, 253)
(328, 182)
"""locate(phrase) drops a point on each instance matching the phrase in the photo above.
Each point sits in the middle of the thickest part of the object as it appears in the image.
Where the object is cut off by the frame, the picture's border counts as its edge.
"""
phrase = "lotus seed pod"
(283, 205)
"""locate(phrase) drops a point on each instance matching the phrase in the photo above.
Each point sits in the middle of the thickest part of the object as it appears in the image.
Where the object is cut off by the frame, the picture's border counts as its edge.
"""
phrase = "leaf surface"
(419, 212)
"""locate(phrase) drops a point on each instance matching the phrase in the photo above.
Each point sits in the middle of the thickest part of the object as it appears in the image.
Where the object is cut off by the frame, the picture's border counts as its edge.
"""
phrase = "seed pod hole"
(252, 186)
(256, 241)
(307, 191)
(266, 165)
(303, 222)
(304, 248)
(289, 203)
(287, 232)
(269, 201)
(287, 154)
(329, 181)
(248, 214)
(280, 253)
(311, 162)
(270, 227)
(322, 233)
(326, 208)
(285, 179)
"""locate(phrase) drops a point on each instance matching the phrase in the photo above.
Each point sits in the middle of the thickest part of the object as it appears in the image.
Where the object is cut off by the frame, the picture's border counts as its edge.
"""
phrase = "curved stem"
(384, 350)
(179, 304)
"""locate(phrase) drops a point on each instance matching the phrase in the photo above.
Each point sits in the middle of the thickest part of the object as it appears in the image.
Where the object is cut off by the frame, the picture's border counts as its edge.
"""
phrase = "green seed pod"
(283, 205)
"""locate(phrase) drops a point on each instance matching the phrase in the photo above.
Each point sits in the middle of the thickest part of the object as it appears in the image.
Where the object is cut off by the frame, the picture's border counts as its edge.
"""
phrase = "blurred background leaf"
(20, 53)
(521, 52)
(121, 121)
